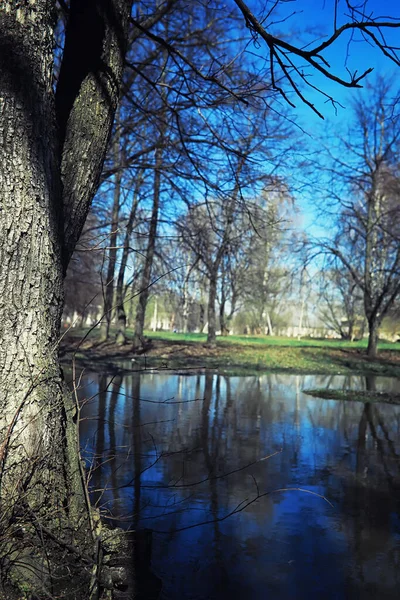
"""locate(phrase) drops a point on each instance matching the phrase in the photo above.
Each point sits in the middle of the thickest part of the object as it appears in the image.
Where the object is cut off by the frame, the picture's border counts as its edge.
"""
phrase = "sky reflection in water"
(154, 437)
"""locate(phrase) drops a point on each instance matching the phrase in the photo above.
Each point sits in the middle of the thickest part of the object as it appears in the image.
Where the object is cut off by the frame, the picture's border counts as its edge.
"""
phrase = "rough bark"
(87, 97)
(148, 263)
(42, 211)
(40, 474)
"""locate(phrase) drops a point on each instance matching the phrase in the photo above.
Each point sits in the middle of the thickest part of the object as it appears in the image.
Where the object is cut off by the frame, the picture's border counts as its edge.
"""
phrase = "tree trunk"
(185, 300)
(40, 471)
(185, 311)
(373, 333)
(186, 295)
(119, 300)
(212, 293)
(228, 319)
(370, 383)
(350, 335)
(49, 170)
(155, 316)
(112, 251)
(148, 263)
(222, 318)
(303, 300)
(269, 324)
(201, 317)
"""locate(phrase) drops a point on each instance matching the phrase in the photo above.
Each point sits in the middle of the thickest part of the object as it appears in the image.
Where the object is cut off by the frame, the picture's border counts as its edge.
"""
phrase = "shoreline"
(231, 358)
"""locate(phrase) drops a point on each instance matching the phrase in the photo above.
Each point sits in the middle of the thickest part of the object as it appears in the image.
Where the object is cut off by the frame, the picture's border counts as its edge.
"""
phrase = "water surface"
(177, 454)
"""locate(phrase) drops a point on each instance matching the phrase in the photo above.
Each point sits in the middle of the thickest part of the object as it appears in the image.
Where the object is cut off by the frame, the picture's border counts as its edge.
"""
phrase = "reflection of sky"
(289, 543)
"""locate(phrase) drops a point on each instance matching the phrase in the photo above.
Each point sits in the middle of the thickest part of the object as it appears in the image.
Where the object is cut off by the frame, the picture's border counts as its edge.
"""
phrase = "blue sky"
(312, 20)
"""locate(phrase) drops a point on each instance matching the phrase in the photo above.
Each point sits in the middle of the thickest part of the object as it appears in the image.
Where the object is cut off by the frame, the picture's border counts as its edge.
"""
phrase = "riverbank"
(232, 355)
(365, 396)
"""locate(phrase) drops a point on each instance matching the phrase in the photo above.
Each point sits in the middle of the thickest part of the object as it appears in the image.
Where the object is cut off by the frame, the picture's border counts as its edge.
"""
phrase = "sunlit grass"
(264, 340)
(177, 337)
(239, 354)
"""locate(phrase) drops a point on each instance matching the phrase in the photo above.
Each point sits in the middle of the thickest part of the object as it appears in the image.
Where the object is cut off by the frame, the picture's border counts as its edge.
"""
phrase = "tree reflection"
(180, 450)
(374, 497)
(98, 459)
(113, 450)
(212, 445)
(137, 447)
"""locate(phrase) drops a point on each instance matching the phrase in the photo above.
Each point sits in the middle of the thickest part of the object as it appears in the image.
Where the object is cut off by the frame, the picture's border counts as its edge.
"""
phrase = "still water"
(220, 469)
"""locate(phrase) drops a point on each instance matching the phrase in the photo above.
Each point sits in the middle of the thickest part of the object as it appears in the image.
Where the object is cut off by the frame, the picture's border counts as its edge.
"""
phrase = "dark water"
(169, 452)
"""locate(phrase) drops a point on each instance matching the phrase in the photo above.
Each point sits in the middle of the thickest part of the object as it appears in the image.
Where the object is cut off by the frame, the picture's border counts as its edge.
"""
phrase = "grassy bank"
(236, 354)
(355, 395)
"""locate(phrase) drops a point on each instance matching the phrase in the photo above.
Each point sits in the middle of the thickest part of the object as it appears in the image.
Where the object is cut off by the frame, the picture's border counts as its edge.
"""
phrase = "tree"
(210, 243)
(215, 230)
(121, 287)
(109, 283)
(366, 188)
(82, 282)
(293, 67)
(268, 266)
(341, 303)
(148, 261)
(231, 277)
(53, 150)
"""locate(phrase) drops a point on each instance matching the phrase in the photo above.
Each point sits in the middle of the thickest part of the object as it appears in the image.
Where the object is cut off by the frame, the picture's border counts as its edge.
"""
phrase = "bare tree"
(367, 190)
(121, 287)
(109, 283)
(341, 303)
(148, 261)
(83, 282)
(292, 66)
(267, 274)
(207, 230)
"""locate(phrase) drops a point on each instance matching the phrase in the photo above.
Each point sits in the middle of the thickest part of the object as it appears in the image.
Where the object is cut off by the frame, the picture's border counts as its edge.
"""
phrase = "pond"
(251, 488)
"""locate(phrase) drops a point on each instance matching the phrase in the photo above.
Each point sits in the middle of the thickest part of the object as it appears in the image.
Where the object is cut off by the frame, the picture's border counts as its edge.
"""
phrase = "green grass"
(247, 340)
(176, 337)
(355, 395)
(264, 340)
(241, 354)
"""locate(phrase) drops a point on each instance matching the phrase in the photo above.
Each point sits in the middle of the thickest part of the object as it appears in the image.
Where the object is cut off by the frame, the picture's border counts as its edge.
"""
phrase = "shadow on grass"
(229, 358)
(357, 360)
